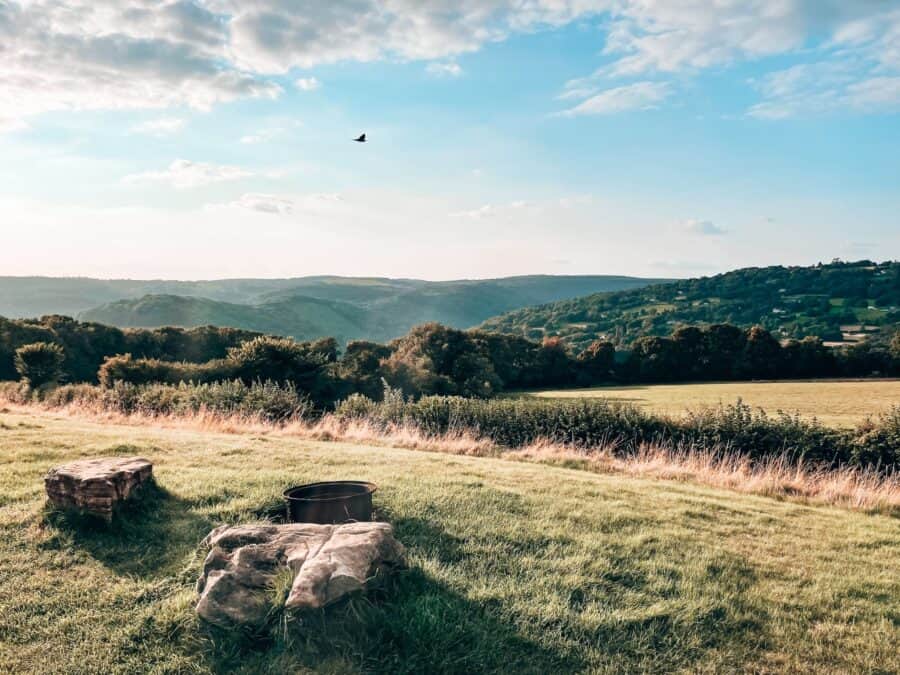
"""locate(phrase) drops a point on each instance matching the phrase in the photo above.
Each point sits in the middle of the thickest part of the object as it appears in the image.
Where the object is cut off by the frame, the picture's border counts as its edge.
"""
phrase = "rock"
(96, 485)
(327, 563)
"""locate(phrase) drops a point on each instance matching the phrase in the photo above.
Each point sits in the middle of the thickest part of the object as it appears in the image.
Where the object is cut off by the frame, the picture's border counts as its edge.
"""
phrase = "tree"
(556, 364)
(40, 363)
(723, 346)
(360, 368)
(654, 359)
(690, 352)
(435, 359)
(282, 360)
(595, 363)
(807, 358)
(761, 358)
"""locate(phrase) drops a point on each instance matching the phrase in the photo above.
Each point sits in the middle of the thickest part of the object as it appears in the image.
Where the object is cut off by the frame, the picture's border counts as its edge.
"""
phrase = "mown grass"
(839, 403)
(514, 567)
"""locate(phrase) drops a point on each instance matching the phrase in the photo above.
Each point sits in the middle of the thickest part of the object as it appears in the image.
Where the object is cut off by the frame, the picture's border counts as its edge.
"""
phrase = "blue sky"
(659, 138)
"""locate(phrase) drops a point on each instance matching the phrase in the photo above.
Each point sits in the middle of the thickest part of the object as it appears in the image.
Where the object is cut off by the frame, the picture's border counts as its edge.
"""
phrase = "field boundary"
(777, 477)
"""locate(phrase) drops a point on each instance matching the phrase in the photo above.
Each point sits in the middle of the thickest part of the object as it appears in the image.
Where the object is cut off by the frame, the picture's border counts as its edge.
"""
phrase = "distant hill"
(837, 302)
(22, 297)
(299, 316)
(306, 308)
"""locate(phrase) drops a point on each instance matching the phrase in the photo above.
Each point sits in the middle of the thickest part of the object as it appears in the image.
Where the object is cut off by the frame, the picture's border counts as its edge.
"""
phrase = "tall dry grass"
(779, 477)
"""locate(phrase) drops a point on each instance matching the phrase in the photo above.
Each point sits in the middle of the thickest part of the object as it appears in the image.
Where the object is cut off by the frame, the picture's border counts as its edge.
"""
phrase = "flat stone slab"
(327, 563)
(96, 485)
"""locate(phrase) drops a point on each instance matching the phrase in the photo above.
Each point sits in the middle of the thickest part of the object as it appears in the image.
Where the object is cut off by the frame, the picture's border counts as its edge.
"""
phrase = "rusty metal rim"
(370, 488)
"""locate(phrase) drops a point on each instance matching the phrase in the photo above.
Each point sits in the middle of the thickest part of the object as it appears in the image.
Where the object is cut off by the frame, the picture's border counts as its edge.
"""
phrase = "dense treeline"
(86, 345)
(725, 352)
(430, 360)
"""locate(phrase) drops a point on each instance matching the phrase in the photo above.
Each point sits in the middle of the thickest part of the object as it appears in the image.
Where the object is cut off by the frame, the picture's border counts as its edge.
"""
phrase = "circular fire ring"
(330, 502)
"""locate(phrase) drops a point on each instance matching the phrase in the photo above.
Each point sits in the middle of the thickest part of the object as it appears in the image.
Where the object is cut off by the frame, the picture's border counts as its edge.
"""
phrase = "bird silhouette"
(361, 139)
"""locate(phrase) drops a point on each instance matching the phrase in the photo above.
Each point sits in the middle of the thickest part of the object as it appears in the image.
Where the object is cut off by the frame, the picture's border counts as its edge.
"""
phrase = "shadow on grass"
(150, 536)
(411, 623)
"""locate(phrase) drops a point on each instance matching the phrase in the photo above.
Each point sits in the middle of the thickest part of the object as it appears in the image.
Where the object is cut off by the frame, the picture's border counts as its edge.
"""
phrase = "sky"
(665, 138)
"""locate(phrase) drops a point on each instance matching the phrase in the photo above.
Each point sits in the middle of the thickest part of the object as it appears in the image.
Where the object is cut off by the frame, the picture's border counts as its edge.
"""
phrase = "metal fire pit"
(330, 502)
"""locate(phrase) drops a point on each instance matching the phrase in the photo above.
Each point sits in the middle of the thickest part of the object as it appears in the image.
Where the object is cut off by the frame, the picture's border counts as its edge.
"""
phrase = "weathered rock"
(327, 561)
(96, 485)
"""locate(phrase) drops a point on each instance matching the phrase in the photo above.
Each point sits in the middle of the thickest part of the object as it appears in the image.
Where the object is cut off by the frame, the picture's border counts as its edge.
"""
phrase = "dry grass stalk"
(778, 477)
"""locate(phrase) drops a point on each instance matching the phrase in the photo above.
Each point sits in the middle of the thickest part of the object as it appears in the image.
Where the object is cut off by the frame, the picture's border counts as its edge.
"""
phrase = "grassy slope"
(842, 403)
(515, 567)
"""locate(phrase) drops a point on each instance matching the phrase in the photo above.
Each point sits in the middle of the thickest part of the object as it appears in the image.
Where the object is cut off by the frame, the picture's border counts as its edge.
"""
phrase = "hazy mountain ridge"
(305, 308)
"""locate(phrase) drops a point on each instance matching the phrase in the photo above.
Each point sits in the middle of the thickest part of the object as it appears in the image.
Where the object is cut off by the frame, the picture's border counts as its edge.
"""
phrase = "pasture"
(514, 567)
(840, 403)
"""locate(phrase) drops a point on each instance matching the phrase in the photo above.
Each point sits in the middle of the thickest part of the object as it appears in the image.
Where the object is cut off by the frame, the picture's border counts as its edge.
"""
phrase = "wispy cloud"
(262, 136)
(444, 69)
(183, 174)
(265, 203)
(637, 96)
(284, 205)
(492, 210)
(162, 126)
(703, 228)
(307, 84)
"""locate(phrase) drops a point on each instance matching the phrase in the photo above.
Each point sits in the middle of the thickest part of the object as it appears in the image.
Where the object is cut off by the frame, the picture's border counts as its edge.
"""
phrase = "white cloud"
(308, 84)
(114, 54)
(273, 36)
(140, 54)
(182, 174)
(860, 38)
(824, 87)
(284, 205)
(492, 210)
(485, 211)
(703, 228)
(265, 203)
(444, 69)
(637, 96)
(163, 126)
(262, 136)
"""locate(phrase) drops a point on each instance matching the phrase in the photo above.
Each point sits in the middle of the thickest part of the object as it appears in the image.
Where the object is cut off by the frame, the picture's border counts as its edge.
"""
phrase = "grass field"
(515, 567)
(834, 402)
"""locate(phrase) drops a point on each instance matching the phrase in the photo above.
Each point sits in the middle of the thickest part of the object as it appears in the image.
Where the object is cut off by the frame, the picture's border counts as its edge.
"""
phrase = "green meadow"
(514, 567)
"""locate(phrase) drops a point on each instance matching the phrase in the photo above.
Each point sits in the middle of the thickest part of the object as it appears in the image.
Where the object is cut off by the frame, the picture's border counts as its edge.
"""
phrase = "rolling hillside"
(839, 302)
(346, 308)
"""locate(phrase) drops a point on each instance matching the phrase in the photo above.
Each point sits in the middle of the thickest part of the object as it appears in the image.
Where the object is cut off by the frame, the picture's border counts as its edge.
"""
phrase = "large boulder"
(96, 485)
(327, 563)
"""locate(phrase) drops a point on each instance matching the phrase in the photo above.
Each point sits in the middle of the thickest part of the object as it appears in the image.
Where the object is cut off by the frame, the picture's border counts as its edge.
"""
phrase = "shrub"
(878, 443)
(124, 368)
(267, 401)
(39, 363)
(595, 422)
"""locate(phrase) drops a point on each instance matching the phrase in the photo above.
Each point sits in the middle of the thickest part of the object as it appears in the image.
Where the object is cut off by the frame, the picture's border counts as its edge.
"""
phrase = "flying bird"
(361, 139)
